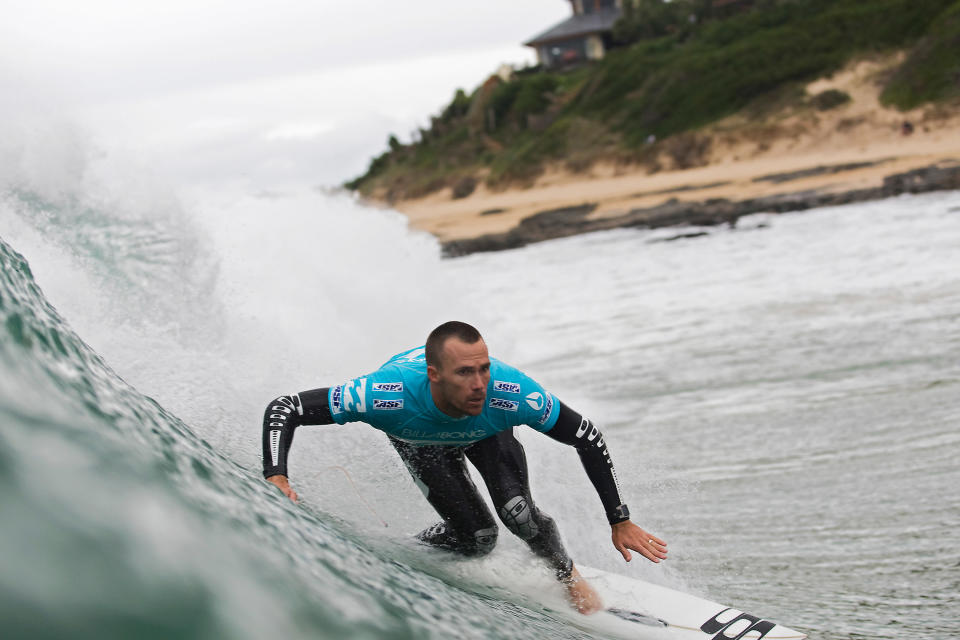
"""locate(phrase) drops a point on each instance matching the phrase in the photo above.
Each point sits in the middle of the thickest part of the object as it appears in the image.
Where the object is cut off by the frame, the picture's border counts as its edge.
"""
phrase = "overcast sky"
(278, 92)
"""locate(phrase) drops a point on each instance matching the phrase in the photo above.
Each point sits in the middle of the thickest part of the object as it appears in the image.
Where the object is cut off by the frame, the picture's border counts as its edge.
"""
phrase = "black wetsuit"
(467, 526)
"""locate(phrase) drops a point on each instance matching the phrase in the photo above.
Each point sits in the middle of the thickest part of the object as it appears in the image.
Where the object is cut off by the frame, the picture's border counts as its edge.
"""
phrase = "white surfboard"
(680, 615)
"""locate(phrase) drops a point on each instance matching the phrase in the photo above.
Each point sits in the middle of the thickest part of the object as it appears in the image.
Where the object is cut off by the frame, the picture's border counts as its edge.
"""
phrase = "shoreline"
(794, 159)
(578, 219)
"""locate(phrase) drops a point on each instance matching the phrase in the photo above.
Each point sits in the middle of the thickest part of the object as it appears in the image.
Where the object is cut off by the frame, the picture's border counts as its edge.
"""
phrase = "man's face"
(459, 383)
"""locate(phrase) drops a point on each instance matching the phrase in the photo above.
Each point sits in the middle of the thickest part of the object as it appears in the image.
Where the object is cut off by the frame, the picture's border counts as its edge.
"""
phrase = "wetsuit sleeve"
(573, 429)
(281, 419)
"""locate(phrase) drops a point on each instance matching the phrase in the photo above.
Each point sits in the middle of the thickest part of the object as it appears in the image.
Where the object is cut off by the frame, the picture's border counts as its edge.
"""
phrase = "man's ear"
(432, 373)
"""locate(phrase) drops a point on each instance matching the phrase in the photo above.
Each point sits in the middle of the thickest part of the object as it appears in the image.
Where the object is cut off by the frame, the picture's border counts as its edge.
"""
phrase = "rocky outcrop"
(568, 221)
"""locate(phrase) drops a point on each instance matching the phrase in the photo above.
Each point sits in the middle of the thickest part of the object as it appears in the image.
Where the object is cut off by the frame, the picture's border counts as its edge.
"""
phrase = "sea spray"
(119, 520)
(780, 402)
(130, 488)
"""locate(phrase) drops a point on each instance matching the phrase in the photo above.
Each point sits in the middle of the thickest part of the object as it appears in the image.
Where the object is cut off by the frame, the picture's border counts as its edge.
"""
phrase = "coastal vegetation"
(679, 68)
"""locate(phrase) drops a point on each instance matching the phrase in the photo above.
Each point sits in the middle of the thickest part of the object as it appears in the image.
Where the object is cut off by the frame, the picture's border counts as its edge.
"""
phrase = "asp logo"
(546, 410)
(336, 400)
(740, 625)
(506, 387)
(387, 404)
(506, 405)
(388, 386)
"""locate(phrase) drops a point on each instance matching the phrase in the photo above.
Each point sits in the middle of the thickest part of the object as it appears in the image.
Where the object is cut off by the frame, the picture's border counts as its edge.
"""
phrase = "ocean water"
(780, 400)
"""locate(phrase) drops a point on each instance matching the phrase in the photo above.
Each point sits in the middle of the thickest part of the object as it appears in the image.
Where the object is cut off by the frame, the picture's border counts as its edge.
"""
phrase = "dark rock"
(778, 178)
(689, 187)
(934, 178)
(568, 221)
(682, 236)
(552, 217)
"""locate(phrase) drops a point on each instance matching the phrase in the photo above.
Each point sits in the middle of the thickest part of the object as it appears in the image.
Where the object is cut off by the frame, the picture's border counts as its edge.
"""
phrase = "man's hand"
(284, 485)
(627, 535)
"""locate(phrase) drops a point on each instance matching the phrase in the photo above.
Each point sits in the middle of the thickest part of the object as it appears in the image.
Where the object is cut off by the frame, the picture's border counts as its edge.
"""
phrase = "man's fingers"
(650, 555)
(656, 551)
(628, 536)
(652, 548)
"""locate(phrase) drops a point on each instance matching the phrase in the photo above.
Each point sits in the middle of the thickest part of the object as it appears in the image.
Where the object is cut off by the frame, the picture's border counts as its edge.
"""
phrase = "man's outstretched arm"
(573, 429)
(280, 420)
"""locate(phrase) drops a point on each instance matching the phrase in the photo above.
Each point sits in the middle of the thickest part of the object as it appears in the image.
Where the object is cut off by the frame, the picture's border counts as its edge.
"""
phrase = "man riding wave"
(449, 401)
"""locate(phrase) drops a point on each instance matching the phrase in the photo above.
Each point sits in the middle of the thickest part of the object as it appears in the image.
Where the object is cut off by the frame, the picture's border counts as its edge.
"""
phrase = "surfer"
(449, 401)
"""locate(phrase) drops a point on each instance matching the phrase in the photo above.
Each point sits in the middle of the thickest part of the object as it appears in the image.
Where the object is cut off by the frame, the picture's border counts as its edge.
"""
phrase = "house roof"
(579, 25)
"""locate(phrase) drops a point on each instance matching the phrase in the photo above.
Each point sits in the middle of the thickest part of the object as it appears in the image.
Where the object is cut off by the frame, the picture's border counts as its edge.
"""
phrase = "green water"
(780, 402)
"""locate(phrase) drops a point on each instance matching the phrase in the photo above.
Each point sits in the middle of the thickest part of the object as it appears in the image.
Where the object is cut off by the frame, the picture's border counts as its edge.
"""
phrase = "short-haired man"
(448, 401)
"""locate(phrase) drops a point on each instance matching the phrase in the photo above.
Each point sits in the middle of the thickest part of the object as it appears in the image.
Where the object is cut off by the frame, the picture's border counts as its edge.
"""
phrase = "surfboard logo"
(741, 624)
(535, 400)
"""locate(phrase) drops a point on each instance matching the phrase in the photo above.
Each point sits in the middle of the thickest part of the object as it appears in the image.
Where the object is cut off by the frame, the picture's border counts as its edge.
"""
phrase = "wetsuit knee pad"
(439, 535)
(485, 540)
(519, 518)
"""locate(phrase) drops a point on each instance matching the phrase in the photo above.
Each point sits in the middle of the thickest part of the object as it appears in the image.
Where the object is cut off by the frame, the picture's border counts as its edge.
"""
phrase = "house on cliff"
(588, 33)
(584, 36)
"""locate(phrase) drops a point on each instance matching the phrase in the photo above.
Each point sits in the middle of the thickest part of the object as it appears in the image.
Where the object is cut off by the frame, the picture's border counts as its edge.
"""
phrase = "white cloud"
(210, 88)
(299, 131)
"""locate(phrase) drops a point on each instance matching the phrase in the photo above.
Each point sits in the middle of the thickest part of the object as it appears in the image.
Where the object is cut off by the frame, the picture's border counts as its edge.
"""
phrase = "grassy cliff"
(665, 85)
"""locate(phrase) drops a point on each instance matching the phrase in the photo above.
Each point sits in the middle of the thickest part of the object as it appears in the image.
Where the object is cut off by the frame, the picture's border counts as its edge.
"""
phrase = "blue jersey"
(396, 399)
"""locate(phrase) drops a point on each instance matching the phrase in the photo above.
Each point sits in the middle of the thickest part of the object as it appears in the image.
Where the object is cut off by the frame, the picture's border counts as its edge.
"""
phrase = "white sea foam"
(753, 385)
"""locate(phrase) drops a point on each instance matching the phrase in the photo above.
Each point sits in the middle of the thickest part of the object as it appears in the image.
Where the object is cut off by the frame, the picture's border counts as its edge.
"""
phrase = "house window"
(568, 52)
(592, 6)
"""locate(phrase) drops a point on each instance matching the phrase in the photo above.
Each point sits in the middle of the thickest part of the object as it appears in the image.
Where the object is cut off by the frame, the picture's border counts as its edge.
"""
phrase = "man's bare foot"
(582, 596)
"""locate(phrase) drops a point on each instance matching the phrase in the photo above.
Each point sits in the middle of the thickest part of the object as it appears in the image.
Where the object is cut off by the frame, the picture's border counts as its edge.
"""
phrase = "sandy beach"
(854, 146)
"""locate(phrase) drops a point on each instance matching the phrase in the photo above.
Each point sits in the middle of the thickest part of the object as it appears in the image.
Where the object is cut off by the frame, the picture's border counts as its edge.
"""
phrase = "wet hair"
(452, 329)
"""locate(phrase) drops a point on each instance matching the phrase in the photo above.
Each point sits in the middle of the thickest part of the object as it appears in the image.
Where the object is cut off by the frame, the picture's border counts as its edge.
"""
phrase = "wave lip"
(119, 521)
